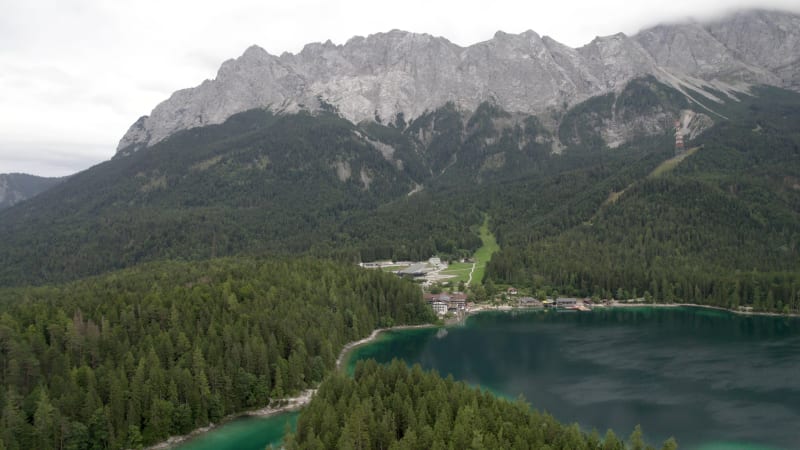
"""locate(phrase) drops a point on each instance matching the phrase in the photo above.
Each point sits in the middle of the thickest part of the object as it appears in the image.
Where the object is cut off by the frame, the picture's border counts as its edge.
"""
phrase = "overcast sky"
(74, 74)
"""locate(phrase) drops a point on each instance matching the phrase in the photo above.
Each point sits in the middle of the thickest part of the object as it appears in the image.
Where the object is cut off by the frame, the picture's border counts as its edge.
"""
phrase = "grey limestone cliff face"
(751, 47)
(764, 39)
(386, 74)
(615, 60)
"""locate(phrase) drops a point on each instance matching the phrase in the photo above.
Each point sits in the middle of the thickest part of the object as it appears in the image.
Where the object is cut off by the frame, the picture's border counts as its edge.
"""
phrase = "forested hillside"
(17, 187)
(396, 407)
(722, 227)
(261, 184)
(258, 184)
(135, 356)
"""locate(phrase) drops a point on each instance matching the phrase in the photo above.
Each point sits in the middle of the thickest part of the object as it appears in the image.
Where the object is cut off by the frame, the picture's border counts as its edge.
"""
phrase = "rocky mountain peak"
(767, 40)
(385, 74)
(314, 48)
(254, 52)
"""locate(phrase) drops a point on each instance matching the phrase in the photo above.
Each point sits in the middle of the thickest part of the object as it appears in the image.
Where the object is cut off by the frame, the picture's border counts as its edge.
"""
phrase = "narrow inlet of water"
(245, 433)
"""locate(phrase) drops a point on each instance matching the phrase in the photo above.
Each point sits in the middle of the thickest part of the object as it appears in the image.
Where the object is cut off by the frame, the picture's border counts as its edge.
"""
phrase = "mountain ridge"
(17, 187)
(386, 75)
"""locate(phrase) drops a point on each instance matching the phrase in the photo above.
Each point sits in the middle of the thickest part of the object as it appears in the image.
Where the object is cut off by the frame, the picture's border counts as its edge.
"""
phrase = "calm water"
(247, 433)
(712, 379)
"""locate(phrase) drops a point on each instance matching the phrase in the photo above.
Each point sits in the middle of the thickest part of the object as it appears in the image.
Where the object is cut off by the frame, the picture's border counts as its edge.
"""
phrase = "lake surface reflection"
(710, 378)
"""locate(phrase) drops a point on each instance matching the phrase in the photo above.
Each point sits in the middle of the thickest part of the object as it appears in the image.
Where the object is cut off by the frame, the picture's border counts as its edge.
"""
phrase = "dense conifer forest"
(396, 407)
(721, 228)
(133, 357)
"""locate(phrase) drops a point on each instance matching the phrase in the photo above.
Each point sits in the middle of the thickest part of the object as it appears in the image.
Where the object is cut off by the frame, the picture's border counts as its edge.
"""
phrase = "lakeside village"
(445, 290)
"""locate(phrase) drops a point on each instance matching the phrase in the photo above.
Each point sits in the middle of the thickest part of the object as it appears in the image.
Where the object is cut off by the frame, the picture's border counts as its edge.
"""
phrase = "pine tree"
(636, 441)
(44, 421)
(670, 444)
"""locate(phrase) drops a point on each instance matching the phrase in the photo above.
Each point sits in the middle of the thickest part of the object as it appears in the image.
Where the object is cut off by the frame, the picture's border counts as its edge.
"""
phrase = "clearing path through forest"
(458, 271)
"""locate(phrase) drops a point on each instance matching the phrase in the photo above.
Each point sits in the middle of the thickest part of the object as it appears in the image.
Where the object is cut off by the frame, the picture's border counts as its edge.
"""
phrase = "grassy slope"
(667, 166)
(484, 254)
(672, 163)
(481, 257)
(460, 270)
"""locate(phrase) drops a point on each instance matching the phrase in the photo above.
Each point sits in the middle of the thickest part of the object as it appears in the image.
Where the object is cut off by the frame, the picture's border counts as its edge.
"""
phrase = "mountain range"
(16, 187)
(400, 75)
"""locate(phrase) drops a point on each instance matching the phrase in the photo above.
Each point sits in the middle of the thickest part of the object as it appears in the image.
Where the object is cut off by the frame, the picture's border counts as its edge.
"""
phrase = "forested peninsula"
(130, 358)
(396, 407)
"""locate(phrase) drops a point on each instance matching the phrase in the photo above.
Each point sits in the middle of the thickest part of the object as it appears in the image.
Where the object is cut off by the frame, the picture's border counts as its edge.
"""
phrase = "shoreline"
(291, 404)
(283, 405)
(374, 335)
(297, 402)
(696, 305)
(506, 308)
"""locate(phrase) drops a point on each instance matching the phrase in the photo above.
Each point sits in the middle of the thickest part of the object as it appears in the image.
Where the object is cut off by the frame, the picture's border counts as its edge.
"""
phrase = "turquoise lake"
(712, 379)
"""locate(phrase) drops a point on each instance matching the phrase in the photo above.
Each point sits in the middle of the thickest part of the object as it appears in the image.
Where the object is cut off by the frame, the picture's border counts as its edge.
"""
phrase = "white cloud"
(49, 158)
(76, 74)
